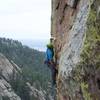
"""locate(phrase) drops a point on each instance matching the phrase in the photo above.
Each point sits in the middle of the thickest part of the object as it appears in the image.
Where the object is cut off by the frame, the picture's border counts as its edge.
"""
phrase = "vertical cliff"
(76, 28)
(6, 71)
(10, 73)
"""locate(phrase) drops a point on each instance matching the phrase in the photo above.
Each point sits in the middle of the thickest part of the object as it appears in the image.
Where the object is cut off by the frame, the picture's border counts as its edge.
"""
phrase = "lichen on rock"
(79, 56)
(90, 56)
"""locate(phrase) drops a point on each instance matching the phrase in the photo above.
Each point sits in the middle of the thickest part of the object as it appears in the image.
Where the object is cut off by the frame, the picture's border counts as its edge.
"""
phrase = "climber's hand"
(45, 62)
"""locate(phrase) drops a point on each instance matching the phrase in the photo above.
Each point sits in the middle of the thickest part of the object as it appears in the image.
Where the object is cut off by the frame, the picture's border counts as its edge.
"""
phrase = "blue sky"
(25, 19)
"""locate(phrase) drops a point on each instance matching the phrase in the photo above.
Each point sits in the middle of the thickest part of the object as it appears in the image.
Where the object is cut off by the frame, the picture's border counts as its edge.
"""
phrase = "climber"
(50, 62)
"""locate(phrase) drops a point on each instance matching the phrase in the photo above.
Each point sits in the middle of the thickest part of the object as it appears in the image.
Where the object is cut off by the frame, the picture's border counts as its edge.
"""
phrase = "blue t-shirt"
(49, 54)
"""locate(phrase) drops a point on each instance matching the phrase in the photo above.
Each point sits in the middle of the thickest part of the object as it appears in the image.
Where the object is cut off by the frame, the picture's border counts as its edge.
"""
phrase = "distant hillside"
(30, 60)
(38, 44)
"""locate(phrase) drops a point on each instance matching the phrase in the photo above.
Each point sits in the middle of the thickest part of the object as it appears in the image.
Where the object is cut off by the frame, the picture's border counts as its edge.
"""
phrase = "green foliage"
(31, 63)
(5, 98)
(19, 85)
(86, 94)
(90, 57)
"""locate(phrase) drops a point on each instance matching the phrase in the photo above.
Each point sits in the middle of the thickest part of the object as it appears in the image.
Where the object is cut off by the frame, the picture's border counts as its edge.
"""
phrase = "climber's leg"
(54, 86)
(52, 66)
(53, 71)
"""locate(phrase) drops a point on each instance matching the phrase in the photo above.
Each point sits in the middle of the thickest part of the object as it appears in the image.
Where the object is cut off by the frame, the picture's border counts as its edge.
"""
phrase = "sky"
(25, 19)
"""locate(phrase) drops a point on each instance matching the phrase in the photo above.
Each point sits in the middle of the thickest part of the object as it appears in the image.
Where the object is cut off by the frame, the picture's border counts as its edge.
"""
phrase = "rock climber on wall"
(50, 62)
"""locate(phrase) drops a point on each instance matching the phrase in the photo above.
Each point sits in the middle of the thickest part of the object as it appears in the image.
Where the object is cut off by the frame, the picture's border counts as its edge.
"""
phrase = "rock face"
(76, 28)
(9, 71)
(6, 70)
(38, 95)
